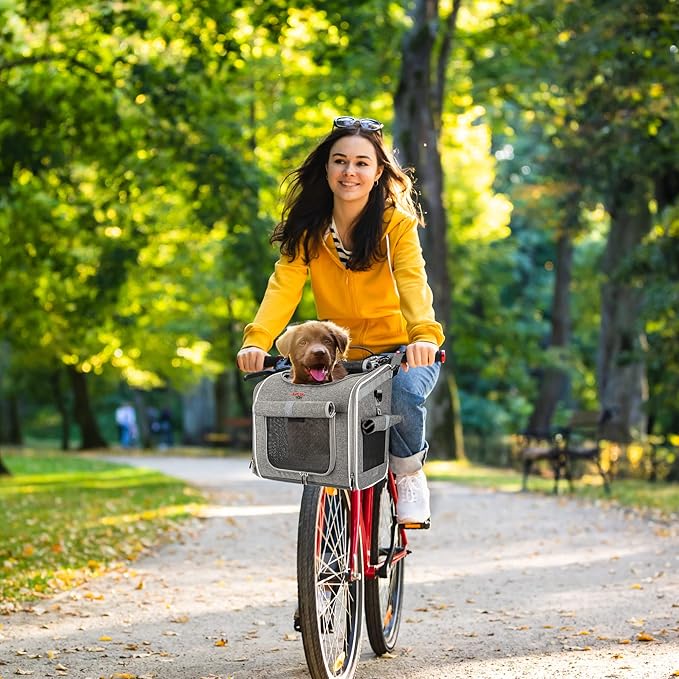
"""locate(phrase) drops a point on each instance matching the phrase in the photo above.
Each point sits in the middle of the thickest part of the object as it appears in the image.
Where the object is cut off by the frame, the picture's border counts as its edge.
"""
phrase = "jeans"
(408, 446)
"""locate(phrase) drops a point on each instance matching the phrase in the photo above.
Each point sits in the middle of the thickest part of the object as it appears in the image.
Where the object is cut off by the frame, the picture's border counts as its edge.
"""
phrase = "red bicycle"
(350, 558)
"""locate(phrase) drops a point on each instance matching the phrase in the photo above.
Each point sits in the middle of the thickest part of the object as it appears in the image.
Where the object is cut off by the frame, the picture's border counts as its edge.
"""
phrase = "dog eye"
(327, 340)
(302, 342)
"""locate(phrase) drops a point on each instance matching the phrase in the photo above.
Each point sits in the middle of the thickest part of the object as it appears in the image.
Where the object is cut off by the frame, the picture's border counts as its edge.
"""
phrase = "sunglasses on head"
(349, 122)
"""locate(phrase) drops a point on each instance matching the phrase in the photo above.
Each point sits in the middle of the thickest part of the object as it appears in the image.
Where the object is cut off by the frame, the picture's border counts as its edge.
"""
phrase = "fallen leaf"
(20, 671)
(645, 636)
(636, 585)
(290, 636)
(221, 642)
(339, 662)
(94, 596)
(105, 638)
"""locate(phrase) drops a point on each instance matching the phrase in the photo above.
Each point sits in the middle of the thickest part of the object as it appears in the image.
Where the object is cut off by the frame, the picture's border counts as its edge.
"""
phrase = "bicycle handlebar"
(393, 358)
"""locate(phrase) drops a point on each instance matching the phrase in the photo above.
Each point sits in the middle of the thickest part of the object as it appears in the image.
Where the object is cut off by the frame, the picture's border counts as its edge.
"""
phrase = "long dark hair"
(308, 202)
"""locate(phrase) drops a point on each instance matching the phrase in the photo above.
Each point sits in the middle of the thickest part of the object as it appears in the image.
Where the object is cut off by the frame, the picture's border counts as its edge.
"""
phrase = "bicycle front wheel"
(330, 602)
(384, 593)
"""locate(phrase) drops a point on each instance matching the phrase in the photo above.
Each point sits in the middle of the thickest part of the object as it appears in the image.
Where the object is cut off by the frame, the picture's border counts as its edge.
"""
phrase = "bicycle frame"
(361, 502)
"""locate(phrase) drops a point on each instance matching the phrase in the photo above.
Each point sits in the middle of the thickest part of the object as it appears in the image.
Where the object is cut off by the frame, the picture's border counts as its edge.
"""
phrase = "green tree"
(600, 77)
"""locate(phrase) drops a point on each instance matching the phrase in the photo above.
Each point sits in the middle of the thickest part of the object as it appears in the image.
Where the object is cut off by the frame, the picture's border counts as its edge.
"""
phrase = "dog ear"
(284, 342)
(341, 336)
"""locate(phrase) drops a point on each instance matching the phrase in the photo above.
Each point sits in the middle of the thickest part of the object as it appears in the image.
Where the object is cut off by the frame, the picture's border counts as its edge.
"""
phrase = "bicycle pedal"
(424, 525)
(295, 621)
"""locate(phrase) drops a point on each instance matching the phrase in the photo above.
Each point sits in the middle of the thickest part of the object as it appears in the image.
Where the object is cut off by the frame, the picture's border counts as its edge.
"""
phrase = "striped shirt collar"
(342, 252)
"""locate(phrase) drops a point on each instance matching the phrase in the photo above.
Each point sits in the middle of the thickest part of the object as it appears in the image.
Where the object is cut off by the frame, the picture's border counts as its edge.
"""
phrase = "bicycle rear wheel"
(384, 593)
(330, 603)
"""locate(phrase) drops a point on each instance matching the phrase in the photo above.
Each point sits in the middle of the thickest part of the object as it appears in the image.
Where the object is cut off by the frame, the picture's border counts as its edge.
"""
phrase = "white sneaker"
(412, 505)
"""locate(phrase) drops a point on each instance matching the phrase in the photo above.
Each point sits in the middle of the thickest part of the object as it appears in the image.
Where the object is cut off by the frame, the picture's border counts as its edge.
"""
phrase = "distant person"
(126, 420)
(164, 425)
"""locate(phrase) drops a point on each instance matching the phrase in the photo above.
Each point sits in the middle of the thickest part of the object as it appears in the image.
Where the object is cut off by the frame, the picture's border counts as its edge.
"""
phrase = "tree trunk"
(143, 424)
(554, 382)
(60, 402)
(10, 430)
(198, 412)
(417, 106)
(90, 435)
(621, 368)
(4, 470)
(416, 138)
(10, 421)
(222, 393)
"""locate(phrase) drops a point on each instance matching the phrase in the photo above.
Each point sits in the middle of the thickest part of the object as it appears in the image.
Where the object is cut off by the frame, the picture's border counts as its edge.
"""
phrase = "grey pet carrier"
(333, 434)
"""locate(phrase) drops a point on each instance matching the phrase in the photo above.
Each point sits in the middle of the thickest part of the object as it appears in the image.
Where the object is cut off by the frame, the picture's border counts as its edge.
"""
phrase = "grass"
(68, 518)
(635, 493)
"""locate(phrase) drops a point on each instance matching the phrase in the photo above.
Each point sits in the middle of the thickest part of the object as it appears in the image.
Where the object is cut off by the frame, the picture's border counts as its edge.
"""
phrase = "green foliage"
(581, 100)
(142, 149)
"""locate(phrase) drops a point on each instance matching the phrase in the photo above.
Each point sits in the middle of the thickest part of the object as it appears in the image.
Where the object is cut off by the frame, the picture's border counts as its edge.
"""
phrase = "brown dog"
(315, 349)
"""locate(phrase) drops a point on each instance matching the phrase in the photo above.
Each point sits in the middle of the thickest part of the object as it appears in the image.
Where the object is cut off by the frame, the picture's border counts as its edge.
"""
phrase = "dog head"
(314, 349)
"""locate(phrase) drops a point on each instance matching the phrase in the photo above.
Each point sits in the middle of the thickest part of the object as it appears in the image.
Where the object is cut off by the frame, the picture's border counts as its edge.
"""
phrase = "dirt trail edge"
(503, 586)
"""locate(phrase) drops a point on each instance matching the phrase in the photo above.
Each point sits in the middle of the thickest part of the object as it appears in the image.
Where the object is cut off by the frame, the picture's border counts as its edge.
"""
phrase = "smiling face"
(352, 169)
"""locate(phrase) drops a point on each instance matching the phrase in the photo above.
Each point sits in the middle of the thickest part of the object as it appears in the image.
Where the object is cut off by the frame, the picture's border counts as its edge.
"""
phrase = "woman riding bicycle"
(349, 222)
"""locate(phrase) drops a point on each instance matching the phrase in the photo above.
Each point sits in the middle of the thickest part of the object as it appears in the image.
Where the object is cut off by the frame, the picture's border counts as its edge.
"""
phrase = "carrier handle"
(317, 409)
(379, 423)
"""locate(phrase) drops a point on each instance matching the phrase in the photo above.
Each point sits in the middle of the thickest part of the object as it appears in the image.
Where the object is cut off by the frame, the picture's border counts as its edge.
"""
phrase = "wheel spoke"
(384, 594)
(338, 599)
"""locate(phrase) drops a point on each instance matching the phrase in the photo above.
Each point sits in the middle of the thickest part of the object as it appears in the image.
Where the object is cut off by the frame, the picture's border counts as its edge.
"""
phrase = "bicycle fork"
(361, 503)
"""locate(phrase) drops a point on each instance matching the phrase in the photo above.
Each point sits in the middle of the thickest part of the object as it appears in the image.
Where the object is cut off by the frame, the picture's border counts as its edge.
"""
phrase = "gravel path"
(504, 586)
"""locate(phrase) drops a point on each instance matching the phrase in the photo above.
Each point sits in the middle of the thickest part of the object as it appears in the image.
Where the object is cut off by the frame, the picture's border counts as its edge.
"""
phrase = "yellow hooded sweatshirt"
(384, 307)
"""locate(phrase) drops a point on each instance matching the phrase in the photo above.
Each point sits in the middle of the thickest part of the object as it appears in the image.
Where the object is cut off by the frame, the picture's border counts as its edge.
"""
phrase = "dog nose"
(319, 352)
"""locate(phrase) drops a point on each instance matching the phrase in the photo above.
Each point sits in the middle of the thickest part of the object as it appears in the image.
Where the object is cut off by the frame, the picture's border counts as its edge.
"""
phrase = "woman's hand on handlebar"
(419, 354)
(251, 359)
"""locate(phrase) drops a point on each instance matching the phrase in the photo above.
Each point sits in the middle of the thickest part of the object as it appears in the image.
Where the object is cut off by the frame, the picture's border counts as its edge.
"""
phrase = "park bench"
(236, 432)
(580, 439)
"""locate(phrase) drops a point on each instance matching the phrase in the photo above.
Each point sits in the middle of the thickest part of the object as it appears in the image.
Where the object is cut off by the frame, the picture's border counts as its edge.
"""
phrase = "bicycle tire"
(330, 604)
(384, 595)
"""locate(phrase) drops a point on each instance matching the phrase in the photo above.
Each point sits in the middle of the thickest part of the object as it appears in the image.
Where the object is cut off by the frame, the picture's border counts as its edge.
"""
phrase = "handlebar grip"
(439, 358)
(270, 361)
